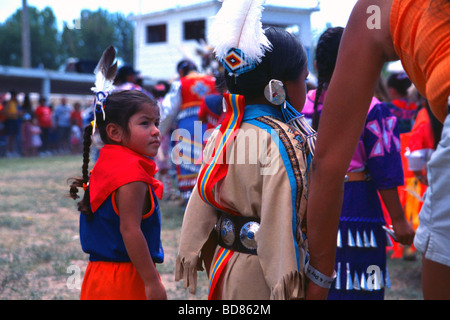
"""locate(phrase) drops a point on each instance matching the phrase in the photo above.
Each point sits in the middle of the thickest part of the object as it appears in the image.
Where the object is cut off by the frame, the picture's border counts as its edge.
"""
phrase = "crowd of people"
(45, 129)
(28, 130)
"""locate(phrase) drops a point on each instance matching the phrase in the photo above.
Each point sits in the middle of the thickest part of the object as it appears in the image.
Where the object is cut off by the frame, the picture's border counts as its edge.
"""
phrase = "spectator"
(76, 137)
(31, 139)
(62, 116)
(76, 117)
(127, 79)
(44, 115)
(27, 106)
(12, 115)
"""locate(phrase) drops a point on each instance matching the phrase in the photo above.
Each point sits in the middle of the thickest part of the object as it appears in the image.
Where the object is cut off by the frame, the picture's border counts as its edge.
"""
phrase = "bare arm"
(130, 202)
(403, 230)
(362, 55)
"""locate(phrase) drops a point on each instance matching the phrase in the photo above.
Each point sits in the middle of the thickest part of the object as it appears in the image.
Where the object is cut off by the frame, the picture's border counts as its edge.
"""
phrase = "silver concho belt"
(228, 227)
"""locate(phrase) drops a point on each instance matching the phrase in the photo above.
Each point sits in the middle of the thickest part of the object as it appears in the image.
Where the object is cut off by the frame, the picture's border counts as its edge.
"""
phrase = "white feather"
(102, 84)
(238, 25)
(105, 71)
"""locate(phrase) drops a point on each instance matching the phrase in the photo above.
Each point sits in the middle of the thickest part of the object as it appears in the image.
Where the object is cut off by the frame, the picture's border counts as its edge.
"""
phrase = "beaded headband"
(237, 36)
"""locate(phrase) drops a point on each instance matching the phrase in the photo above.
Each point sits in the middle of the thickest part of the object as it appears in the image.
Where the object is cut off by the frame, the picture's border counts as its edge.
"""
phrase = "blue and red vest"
(100, 236)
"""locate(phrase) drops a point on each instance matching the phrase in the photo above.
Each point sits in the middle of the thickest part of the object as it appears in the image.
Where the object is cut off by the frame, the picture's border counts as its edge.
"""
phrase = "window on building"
(157, 33)
(194, 30)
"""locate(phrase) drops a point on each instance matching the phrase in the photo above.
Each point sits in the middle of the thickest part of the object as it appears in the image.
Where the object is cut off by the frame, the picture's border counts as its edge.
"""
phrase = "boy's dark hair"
(400, 82)
(119, 107)
(326, 56)
(186, 66)
(285, 62)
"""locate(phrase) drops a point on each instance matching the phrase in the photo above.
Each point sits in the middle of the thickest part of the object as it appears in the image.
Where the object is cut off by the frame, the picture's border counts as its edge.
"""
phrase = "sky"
(335, 12)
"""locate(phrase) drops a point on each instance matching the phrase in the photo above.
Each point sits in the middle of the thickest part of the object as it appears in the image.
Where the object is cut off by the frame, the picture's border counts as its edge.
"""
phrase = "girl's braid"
(83, 182)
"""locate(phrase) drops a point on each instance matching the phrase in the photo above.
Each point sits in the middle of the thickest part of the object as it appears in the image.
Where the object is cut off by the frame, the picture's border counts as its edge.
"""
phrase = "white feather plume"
(105, 72)
(238, 25)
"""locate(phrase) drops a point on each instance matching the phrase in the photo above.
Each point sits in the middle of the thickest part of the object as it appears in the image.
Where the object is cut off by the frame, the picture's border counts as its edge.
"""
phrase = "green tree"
(98, 30)
(44, 35)
(51, 47)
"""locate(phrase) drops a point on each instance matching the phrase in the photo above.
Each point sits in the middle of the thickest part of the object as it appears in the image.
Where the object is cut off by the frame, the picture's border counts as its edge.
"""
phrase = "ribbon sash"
(215, 170)
(216, 167)
(223, 256)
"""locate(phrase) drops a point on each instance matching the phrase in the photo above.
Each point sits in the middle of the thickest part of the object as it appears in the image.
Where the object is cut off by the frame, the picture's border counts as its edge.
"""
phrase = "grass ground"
(40, 253)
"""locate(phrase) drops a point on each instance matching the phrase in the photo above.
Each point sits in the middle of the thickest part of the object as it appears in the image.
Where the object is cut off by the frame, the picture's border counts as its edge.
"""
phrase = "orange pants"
(112, 281)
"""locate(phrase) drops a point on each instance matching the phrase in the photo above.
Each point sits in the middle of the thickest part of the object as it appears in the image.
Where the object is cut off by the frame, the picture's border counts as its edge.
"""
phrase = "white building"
(164, 38)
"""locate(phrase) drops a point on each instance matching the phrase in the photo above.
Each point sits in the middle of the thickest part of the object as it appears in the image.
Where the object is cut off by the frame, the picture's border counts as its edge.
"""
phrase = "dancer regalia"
(245, 218)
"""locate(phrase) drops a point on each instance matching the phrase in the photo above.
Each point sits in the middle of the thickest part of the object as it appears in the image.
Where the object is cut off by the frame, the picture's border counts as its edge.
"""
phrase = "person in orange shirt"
(44, 115)
(417, 33)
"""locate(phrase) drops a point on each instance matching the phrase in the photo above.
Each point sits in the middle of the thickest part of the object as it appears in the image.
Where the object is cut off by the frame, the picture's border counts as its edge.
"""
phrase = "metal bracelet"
(319, 278)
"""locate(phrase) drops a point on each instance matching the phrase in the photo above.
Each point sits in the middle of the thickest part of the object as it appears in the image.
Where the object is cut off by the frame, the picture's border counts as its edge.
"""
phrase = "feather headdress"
(237, 36)
(105, 73)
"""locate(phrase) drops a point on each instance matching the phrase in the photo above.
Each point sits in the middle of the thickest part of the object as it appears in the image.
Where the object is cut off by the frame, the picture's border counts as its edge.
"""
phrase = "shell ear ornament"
(275, 93)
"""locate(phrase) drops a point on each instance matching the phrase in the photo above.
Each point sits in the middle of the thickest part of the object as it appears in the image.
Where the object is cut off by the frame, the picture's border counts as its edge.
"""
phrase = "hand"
(404, 232)
(155, 291)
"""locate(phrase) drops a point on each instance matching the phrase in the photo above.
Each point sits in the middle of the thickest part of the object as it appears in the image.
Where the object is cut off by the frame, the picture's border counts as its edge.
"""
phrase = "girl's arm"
(363, 52)
(131, 200)
(403, 230)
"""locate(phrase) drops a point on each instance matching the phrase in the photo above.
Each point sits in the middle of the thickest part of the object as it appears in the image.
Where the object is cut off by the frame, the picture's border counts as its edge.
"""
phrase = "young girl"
(120, 221)
(31, 136)
(375, 168)
(244, 219)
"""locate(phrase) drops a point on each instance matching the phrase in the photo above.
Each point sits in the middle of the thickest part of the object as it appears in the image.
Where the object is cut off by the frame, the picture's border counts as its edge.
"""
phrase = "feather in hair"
(238, 25)
(105, 72)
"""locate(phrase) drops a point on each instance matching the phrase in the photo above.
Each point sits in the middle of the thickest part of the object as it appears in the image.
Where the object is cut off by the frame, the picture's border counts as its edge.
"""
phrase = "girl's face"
(297, 90)
(144, 135)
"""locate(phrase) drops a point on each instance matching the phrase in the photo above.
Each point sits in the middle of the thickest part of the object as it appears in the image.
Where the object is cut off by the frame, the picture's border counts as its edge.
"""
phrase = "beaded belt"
(237, 233)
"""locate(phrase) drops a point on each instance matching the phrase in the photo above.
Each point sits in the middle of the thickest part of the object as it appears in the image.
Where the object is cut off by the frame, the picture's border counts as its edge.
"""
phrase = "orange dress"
(420, 33)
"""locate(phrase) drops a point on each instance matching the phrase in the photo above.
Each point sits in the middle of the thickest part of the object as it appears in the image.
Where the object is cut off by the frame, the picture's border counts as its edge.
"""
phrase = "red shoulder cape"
(117, 166)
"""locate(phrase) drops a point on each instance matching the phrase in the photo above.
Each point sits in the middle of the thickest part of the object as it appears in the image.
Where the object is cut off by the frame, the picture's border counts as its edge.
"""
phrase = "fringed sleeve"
(197, 241)
(281, 256)
(290, 287)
